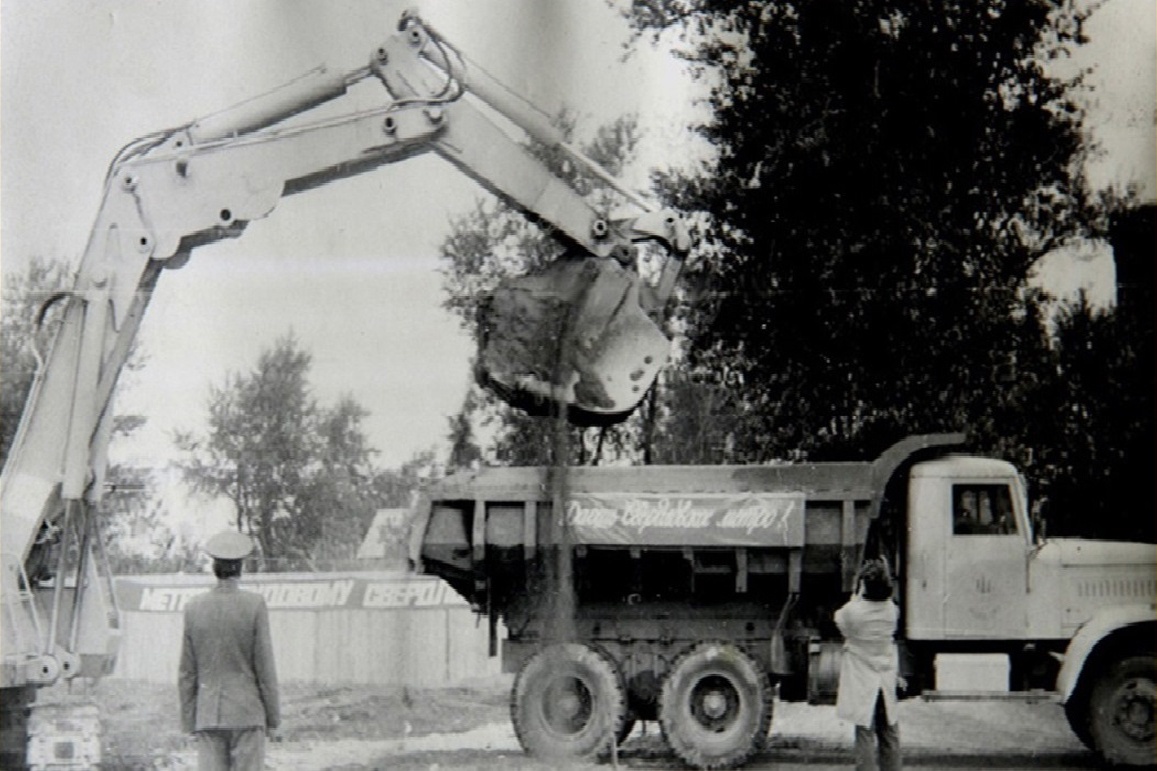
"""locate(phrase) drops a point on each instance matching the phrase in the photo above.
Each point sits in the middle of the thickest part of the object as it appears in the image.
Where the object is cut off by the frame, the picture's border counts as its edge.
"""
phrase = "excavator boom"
(579, 336)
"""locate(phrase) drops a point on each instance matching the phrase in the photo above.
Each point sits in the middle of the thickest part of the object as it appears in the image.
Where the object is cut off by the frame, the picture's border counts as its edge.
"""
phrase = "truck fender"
(1093, 632)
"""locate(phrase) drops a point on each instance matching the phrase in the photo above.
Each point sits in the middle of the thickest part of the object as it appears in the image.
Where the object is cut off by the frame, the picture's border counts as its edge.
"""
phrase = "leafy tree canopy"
(21, 337)
(300, 475)
(886, 175)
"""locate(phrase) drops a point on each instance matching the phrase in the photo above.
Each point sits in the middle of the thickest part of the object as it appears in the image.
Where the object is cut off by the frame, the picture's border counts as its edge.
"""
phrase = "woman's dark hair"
(877, 580)
(227, 568)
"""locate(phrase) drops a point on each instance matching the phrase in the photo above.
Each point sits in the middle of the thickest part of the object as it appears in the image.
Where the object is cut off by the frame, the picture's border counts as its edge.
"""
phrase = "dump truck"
(696, 595)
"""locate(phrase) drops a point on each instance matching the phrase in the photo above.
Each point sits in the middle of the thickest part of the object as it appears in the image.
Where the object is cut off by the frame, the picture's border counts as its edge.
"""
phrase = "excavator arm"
(580, 335)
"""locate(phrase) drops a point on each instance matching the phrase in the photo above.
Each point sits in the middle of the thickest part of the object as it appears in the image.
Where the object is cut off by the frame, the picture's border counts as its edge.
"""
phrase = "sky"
(1122, 55)
(351, 269)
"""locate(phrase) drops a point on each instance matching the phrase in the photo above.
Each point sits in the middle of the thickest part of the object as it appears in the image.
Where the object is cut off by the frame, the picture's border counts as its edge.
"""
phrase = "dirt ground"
(141, 730)
(358, 728)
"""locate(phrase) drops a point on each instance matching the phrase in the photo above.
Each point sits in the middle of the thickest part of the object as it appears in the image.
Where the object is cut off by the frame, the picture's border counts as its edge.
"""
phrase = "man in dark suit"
(227, 678)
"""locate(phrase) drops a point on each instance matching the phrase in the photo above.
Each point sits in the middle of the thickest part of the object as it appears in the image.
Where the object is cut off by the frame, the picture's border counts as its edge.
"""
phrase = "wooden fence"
(355, 627)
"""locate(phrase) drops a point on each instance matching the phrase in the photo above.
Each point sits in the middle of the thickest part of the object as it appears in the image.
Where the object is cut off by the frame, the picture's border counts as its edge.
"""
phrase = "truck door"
(968, 551)
(985, 579)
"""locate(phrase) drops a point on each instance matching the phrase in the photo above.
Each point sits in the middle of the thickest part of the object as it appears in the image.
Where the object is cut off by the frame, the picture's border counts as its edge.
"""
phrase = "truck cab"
(1072, 618)
(976, 570)
(970, 547)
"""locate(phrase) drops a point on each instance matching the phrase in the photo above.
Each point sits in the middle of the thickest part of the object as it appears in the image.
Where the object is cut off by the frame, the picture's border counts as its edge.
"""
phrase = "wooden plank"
(479, 539)
(848, 550)
(530, 530)
(794, 570)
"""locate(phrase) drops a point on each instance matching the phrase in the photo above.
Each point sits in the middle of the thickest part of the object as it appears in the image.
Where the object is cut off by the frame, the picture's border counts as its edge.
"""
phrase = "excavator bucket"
(572, 334)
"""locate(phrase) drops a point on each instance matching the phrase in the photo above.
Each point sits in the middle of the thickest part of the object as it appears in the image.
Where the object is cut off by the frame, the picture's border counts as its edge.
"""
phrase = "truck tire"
(1077, 713)
(715, 706)
(1121, 711)
(568, 702)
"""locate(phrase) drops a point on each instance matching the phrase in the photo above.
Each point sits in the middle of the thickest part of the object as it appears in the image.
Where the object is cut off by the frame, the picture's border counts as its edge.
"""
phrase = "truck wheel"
(568, 702)
(1121, 715)
(715, 707)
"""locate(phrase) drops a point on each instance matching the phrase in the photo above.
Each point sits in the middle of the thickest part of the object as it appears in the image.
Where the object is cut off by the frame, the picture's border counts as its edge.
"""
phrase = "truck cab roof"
(959, 465)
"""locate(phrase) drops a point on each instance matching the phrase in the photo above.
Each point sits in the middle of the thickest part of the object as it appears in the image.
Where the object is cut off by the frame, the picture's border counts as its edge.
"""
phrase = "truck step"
(1029, 697)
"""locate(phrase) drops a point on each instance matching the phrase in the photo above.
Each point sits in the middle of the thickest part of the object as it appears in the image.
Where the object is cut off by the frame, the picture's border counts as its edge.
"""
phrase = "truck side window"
(982, 510)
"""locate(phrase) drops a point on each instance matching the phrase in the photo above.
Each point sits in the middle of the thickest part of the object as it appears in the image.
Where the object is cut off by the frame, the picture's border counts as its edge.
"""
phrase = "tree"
(139, 537)
(886, 174)
(21, 337)
(300, 476)
(1096, 448)
(465, 451)
(336, 501)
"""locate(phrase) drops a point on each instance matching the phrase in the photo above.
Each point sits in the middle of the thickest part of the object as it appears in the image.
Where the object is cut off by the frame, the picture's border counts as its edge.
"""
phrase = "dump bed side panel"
(740, 536)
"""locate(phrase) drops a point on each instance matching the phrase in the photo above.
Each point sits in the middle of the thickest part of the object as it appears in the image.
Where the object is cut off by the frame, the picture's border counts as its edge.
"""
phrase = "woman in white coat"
(868, 669)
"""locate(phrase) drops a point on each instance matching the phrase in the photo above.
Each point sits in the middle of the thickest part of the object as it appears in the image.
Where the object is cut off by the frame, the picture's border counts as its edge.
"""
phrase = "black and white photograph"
(578, 384)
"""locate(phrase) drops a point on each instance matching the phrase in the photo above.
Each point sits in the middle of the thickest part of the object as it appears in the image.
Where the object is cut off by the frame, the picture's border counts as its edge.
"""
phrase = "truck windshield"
(982, 509)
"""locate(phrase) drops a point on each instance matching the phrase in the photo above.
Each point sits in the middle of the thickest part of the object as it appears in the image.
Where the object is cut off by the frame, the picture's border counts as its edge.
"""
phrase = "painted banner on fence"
(321, 593)
(759, 519)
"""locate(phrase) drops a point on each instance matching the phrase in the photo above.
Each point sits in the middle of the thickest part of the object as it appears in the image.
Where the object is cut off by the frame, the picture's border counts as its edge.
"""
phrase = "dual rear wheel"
(715, 707)
(569, 702)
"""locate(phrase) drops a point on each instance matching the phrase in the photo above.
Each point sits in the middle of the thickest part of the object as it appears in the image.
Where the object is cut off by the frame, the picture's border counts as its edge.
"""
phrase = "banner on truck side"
(758, 519)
